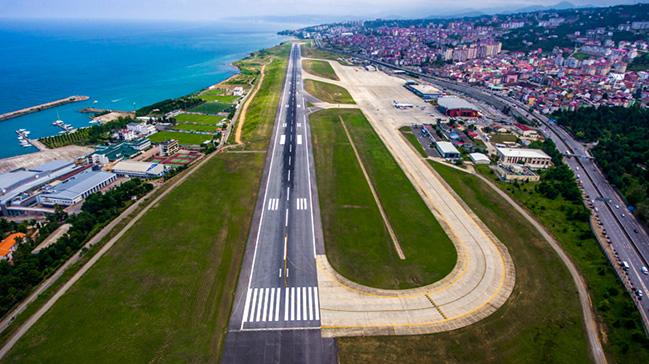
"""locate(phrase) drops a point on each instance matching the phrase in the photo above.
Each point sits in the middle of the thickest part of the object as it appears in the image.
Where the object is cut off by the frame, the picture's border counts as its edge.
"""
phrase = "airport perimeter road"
(484, 275)
(276, 314)
(628, 239)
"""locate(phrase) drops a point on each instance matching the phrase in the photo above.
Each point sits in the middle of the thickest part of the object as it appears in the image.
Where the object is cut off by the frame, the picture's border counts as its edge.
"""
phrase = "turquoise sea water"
(120, 65)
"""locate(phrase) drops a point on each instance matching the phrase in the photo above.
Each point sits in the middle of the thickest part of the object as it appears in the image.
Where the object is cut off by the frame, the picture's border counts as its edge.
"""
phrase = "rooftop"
(447, 147)
(78, 184)
(138, 167)
(523, 153)
(8, 243)
(454, 102)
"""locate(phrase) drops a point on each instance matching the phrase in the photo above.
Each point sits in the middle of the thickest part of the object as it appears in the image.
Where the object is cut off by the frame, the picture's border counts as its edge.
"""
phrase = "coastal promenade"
(47, 105)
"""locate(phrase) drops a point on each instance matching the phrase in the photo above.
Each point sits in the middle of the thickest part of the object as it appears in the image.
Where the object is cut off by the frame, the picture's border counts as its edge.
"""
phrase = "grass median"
(164, 292)
(328, 92)
(357, 242)
(319, 68)
(541, 321)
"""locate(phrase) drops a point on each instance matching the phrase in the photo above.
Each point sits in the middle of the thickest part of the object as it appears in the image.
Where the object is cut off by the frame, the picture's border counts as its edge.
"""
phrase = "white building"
(447, 150)
(76, 188)
(532, 158)
(132, 168)
(479, 158)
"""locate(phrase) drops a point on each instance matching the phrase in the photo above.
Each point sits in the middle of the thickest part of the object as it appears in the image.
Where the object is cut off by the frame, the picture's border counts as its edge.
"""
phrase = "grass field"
(540, 323)
(218, 95)
(212, 107)
(266, 99)
(328, 92)
(206, 128)
(309, 51)
(625, 338)
(182, 138)
(319, 68)
(503, 138)
(353, 229)
(198, 119)
(164, 292)
(410, 136)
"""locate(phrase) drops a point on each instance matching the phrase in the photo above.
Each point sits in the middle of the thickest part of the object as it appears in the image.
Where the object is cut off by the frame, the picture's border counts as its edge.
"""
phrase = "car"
(635, 230)
(644, 270)
(625, 265)
(617, 206)
(623, 215)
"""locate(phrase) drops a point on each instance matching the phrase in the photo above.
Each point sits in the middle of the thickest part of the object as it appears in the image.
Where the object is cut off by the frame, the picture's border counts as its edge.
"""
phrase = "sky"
(218, 9)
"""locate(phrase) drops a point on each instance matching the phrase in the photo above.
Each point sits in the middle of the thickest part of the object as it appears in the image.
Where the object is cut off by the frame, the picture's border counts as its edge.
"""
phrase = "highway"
(628, 240)
(276, 314)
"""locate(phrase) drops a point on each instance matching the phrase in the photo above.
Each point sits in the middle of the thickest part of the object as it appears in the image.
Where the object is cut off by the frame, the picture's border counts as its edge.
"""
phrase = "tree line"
(27, 270)
(621, 148)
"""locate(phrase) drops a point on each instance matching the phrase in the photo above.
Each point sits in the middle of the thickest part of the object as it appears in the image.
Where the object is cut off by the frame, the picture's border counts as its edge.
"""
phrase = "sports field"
(212, 107)
(540, 323)
(205, 128)
(218, 95)
(164, 292)
(182, 138)
(357, 242)
(319, 68)
(198, 119)
(328, 92)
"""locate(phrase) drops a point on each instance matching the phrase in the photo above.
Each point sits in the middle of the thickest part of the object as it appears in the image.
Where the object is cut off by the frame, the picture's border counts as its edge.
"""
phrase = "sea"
(120, 65)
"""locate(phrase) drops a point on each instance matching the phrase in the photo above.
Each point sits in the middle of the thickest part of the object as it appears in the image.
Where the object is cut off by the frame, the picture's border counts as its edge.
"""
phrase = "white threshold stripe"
(304, 305)
(310, 303)
(264, 314)
(292, 303)
(298, 305)
(277, 297)
(246, 306)
(282, 139)
(299, 138)
(316, 303)
(271, 305)
(254, 304)
(286, 304)
(259, 304)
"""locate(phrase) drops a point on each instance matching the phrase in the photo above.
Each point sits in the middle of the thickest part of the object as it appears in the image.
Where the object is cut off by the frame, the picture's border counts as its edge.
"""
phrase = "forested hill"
(622, 150)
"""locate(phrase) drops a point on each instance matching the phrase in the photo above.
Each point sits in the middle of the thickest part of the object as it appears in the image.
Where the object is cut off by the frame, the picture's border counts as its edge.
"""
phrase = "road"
(276, 315)
(628, 240)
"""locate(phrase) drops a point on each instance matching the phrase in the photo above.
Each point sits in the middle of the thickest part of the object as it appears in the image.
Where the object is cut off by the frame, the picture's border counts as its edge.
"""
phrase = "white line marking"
(282, 139)
(284, 125)
(299, 125)
(289, 175)
(280, 273)
(264, 315)
(299, 139)
(299, 305)
(286, 218)
(289, 160)
(260, 303)
(317, 303)
(246, 307)
(290, 148)
(286, 304)
(277, 304)
(308, 172)
(310, 303)
(304, 303)
(254, 304)
(288, 193)
(271, 306)
(292, 303)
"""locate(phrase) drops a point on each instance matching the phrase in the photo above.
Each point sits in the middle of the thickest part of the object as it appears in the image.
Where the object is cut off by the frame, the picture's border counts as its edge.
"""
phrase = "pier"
(47, 105)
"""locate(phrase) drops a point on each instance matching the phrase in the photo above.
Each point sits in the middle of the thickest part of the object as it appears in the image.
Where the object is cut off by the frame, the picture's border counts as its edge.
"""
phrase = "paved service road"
(276, 315)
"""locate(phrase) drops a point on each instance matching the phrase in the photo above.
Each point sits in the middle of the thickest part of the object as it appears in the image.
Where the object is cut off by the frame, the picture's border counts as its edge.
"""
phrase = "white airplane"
(401, 105)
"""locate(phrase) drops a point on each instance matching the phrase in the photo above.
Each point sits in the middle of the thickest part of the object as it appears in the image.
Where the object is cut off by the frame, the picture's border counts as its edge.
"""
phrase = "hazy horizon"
(202, 10)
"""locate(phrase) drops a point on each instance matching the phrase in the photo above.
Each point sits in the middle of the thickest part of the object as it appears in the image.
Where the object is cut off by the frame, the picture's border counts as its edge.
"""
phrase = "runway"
(276, 314)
